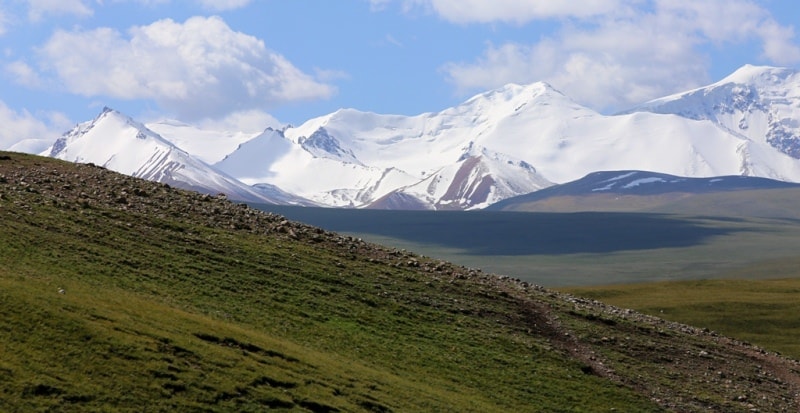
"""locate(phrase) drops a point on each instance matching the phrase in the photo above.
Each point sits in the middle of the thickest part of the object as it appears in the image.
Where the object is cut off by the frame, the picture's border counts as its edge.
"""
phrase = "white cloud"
(778, 43)
(391, 40)
(515, 11)
(247, 121)
(197, 69)
(37, 9)
(723, 21)
(24, 130)
(328, 75)
(632, 54)
(378, 5)
(23, 74)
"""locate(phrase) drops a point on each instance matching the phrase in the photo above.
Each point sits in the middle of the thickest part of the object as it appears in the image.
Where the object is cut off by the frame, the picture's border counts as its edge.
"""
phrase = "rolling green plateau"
(118, 294)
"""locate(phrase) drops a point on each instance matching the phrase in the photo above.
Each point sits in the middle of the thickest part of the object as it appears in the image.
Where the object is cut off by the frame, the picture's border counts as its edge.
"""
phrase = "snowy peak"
(516, 93)
(483, 179)
(456, 154)
(119, 143)
(115, 141)
(479, 178)
(513, 99)
(766, 81)
(253, 161)
(756, 103)
(324, 145)
(763, 77)
(513, 140)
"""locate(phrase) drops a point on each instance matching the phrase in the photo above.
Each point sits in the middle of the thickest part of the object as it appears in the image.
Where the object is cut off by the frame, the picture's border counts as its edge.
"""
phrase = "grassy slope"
(175, 301)
(764, 312)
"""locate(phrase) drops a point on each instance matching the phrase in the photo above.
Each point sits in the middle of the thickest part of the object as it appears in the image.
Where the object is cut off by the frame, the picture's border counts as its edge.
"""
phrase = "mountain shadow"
(517, 233)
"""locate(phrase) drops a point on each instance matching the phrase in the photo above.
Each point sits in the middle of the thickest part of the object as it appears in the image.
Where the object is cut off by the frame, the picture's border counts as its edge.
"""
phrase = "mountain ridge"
(645, 191)
(514, 140)
(118, 142)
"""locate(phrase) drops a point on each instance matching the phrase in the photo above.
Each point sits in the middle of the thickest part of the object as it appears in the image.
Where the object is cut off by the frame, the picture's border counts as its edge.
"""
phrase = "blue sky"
(248, 64)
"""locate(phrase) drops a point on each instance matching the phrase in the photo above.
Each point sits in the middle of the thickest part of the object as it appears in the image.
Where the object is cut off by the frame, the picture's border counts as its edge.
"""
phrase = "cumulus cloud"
(638, 51)
(27, 132)
(196, 69)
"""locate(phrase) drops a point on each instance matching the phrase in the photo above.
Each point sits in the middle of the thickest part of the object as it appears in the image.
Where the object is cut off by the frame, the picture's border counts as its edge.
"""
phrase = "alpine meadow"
(123, 294)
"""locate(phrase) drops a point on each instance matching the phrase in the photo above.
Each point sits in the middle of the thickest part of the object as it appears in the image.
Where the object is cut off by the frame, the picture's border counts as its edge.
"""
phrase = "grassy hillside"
(123, 295)
(759, 311)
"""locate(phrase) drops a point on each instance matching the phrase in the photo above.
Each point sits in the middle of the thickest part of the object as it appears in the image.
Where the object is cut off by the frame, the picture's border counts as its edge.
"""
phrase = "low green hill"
(118, 294)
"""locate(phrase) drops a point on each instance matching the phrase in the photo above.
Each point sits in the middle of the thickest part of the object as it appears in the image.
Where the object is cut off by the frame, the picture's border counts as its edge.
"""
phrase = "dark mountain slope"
(121, 294)
(644, 191)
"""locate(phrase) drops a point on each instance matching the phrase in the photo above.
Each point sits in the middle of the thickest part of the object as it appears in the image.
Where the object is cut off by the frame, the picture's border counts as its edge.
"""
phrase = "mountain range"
(503, 143)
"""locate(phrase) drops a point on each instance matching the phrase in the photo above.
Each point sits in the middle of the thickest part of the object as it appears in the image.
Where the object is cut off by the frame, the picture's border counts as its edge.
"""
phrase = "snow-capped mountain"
(756, 103)
(475, 181)
(119, 143)
(499, 144)
(505, 142)
(208, 145)
(431, 161)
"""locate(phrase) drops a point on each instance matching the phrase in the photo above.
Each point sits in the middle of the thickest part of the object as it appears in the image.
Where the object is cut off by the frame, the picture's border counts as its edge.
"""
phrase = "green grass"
(166, 313)
(177, 302)
(763, 312)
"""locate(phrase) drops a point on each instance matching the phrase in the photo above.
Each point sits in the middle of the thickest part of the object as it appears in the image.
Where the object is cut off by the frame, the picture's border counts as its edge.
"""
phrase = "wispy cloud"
(38, 9)
(391, 39)
(21, 73)
(4, 21)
